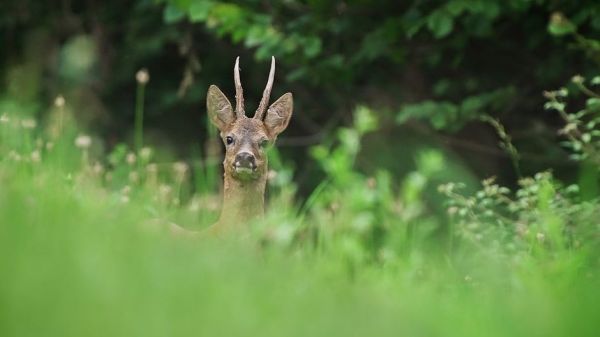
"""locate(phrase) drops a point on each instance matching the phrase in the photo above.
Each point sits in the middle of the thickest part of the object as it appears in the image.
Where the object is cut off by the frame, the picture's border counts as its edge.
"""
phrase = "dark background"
(429, 69)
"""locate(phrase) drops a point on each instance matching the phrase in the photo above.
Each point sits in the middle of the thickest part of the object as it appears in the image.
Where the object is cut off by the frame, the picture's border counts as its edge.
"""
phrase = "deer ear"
(279, 114)
(219, 109)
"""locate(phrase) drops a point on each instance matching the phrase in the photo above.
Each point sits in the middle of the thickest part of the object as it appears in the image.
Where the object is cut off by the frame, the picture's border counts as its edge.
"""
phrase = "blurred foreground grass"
(79, 255)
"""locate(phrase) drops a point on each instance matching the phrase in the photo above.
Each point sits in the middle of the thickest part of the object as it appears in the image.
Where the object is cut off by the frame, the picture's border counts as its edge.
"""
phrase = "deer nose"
(245, 160)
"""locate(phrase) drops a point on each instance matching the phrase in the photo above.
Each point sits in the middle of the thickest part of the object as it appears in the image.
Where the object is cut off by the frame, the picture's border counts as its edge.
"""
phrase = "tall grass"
(81, 253)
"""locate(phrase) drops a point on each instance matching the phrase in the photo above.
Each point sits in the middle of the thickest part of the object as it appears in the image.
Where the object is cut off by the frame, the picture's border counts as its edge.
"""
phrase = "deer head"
(246, 139)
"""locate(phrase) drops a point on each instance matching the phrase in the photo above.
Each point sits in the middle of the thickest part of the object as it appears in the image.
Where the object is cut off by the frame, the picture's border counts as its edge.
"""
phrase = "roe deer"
(246, 140)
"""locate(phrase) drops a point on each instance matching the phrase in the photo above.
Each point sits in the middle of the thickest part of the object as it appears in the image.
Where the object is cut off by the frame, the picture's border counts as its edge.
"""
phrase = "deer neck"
(243, 201)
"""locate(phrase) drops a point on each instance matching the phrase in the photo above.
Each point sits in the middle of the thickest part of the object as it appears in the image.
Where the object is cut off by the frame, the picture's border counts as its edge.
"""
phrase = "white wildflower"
(83, 141)
(142, 76)
(36, 157)
(152, 168)
(145, 154)
(131, 158)
(28, 123)
(134, 177)
(540, 237)
(180, 168)
(97, 168)
(126, 189)
(271, 175)
(59, 101)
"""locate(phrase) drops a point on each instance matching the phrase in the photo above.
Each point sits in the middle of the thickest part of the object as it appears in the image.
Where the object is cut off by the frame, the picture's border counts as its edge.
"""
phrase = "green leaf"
(440, 23)
(559, 25)
(297, 74)
(199, 10)
(430, 161)
(586, 137)
(438, 113)
(365, 120)
(255, 36)
(473, 103)
(312, 46)
(172, 14)
(457, 7)
(442, 87)
(593, 103)
(553, 105)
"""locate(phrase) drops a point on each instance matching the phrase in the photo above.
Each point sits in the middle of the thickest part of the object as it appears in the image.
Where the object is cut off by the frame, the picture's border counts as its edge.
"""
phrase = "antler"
(260, 112)
(239, 93)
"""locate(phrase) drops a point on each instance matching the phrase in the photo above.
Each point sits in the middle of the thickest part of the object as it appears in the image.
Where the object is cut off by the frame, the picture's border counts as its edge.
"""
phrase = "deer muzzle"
(245, 162)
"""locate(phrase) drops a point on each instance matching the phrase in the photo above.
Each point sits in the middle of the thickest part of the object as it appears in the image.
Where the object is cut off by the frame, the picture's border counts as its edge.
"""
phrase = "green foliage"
(86, 199)
(448, 115)
(541, 216)
(505, 143)
(373, 221)
(559, 25)
(67, 262)
(581, 127)
(443, 62)
(243, 24)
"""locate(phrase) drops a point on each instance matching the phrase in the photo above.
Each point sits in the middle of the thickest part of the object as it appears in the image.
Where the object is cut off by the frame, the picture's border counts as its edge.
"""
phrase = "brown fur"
(244, 191)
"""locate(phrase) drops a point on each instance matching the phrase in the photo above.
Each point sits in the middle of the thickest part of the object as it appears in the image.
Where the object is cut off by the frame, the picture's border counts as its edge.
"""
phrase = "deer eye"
(263, 143)
(229, 140)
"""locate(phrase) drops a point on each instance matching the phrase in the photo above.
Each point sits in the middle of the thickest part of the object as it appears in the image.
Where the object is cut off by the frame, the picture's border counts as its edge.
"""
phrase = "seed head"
(577, 79)
(36, 156)
(131, 158)
(97, 168)
(134, 177)
(83, 141)
(152, 168)
(14, 156)
(194, 206)
(126, 189)
(371, 183)
(540, 237)
(164, 191)
(271, 175)
(28, 123)
(59, 101)
(180, 168)
(142, 76)
(145, 154)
